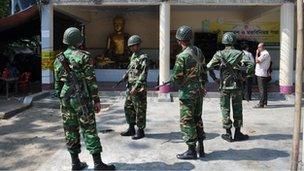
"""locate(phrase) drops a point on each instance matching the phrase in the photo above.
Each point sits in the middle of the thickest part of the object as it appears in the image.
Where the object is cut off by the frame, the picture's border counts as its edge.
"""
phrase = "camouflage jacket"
(82, 64)
(138, 71)
(189, 72)
(231, 72)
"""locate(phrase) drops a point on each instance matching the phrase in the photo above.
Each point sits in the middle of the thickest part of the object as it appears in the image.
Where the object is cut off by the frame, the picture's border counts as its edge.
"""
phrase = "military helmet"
(229, 38)
(184, 33)
(134, 40)
(72, 36)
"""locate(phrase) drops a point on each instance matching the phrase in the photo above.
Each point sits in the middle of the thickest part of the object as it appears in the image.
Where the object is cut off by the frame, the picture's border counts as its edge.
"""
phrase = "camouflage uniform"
(80, 63)
(230, 61)
(136, 105)
(77, 64)
(229, 87)
(190, 74)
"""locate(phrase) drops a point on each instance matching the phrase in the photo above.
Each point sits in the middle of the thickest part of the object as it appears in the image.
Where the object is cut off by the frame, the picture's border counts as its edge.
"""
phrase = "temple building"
(107, 25)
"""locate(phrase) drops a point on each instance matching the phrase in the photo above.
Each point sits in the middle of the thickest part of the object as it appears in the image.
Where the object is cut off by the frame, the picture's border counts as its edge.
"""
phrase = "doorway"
(207, 42)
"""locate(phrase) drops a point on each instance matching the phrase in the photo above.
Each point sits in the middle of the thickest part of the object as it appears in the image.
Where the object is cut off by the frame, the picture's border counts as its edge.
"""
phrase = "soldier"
(230, 61)
(136, 94)
(189, 73)
(81, 65)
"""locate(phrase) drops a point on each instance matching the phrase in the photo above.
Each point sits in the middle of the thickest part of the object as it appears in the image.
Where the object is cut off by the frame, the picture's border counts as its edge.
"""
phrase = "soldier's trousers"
(136, 109)
(236, 97)
(72, 122)
(191, 122)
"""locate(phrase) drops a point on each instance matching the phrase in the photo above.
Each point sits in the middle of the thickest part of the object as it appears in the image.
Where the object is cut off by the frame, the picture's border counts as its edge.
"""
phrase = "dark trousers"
(248, 88)
(263, 84)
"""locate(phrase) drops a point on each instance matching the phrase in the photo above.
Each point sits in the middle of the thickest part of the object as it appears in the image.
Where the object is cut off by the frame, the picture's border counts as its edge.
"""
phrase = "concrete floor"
(269, 147)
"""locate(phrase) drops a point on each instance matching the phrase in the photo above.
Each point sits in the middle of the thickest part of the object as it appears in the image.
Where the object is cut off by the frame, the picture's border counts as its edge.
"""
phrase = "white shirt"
(249, 56)
(262, 67)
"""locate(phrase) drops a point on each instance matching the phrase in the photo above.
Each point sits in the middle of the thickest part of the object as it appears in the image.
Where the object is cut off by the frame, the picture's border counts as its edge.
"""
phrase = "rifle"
(226, 65)
(71, 77)
(124, 78)
(164, 83)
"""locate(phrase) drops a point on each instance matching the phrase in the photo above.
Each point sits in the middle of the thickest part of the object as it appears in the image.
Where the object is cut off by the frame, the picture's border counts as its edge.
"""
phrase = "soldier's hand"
(204, 92)
(142, 89)
(133, 91)
(97, 107)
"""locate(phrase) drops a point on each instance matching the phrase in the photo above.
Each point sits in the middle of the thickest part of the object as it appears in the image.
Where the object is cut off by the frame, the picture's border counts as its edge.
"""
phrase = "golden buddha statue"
(117, 49)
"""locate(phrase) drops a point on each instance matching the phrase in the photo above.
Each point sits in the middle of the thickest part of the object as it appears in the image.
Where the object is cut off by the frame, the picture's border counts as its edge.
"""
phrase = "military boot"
(228, 135)
(99, 165)
(200, 149)
(139, 134)
(76, 163)
(130, 131)
(201, 137)
(189, 154)
(239, 136)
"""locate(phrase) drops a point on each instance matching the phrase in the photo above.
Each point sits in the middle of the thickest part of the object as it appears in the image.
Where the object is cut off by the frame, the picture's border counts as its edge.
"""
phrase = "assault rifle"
(75, 86)
(124, 78)
(164, 83)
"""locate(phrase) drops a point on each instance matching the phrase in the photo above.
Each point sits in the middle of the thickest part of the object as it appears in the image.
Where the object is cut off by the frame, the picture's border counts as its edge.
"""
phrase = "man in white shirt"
(262, 60)
(247, 86)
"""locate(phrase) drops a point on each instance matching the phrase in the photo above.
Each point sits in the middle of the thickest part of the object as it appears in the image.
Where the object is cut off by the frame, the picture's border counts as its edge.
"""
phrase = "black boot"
(238, 136)
(201, 150)
(99, 165)
(76, 163)
(129, 132)
(227, 136)
(139, 134)
(200, 137)
(189, 154)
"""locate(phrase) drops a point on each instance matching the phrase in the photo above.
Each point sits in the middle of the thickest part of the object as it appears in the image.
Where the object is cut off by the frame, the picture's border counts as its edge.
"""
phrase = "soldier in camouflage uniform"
(136, 94)
(80, 62)
(230, 61)
(189, 73)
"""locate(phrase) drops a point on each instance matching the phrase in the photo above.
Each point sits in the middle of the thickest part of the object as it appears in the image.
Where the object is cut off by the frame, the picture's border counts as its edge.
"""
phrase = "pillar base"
(164, 94)
(165, 97)
(46, 87)
(164, 89)
(286, 89)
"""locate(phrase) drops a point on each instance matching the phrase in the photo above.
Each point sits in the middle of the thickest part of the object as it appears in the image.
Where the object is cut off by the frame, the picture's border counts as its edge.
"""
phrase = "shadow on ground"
(255, 154)
(155, 166)
(177, 136)
(271, 137)
(31, 128)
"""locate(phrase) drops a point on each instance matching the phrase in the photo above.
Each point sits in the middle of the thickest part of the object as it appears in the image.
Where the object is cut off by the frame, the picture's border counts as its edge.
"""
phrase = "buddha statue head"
(119, 24)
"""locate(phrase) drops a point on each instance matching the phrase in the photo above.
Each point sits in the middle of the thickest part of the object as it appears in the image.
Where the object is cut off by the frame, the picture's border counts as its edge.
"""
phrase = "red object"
(24, 81)
(6, 73)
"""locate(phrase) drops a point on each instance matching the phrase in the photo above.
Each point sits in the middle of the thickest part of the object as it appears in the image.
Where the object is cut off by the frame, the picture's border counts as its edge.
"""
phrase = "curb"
(26, 103)
(10, 113)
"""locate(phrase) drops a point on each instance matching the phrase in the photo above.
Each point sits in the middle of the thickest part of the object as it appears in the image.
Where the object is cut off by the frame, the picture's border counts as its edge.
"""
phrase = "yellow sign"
(48, 58)
(267, 32)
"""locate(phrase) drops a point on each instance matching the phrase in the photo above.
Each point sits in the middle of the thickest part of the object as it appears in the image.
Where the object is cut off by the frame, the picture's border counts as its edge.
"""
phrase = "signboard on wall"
(267, 32)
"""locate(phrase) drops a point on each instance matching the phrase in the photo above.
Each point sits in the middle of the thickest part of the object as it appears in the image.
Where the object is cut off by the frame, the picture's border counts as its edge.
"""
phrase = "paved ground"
(33, 140)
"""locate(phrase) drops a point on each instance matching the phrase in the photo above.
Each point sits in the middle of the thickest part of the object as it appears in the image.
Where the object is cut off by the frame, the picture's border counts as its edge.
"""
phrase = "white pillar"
(47, 53)
(13, 7)
(164, 50)
(287, 48)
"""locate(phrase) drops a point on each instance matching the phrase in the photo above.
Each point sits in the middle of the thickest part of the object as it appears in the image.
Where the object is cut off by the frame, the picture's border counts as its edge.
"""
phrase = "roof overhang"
(26, 24)
(172, 2)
